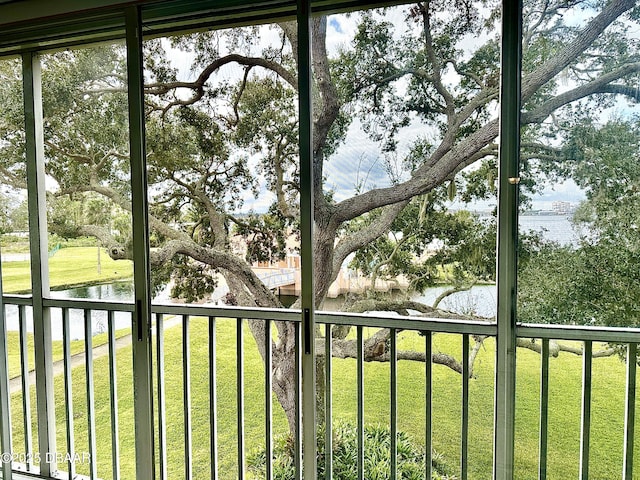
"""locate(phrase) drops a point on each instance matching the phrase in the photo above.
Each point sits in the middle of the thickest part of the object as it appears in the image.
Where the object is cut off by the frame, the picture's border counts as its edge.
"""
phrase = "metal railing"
(281, 278)
(198, 329)
(630, 338)
(76, 322)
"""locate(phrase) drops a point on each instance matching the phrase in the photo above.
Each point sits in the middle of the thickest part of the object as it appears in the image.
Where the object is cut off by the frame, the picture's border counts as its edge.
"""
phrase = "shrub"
(71, 242)
(377, 458)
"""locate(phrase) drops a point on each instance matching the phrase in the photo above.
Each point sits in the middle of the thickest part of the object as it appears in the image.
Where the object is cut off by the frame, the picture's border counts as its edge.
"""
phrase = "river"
(480, 300)
(556, 228)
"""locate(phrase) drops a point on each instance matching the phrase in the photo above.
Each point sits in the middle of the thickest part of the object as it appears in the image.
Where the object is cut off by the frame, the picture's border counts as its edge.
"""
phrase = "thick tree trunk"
(282, 353)
(323, 250)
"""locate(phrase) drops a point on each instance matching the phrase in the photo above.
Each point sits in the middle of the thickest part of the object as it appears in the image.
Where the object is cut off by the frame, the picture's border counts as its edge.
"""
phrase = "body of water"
(556, 228)
(480, 300)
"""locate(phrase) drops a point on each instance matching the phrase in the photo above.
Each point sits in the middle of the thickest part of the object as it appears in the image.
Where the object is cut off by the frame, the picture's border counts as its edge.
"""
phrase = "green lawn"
(77, 346)
(564, 436)
(68, 267)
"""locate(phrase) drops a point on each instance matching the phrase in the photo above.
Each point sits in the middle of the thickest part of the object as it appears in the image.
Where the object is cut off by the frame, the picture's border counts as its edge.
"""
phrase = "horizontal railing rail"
(17, 300)
(579, 333)
(436, 325)
(253, 313)
(550, 331)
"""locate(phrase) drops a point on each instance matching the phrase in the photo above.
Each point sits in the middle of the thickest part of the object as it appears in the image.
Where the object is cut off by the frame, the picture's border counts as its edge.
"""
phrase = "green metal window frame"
(71, 23)
(141, 329)
(507, 241)
(65, 23)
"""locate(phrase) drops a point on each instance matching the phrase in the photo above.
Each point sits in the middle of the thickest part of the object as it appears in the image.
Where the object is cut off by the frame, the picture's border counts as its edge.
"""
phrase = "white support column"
(38, 239)
(142, 362)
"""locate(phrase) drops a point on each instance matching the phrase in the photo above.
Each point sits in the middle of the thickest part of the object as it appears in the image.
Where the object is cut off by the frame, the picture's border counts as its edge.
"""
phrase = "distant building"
(561, 208)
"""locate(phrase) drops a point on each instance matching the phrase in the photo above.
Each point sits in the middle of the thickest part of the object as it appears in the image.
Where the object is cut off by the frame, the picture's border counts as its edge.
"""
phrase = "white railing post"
(506, 272)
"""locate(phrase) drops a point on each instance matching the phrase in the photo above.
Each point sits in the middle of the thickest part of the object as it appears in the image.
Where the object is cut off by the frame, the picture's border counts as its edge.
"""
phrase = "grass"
(73, 266)
(564, 430)
(67, 268)
(77, 346)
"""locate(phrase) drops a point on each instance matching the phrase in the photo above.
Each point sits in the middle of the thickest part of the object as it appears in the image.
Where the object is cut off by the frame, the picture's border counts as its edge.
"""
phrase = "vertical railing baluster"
(585, 428)
(394, 401)
(328, 405)
(544, 409)
(360, 406)
(186, 396)
(68, 390)
(26, 388)
(629, 414)
(268, 404)
(113, 393)
(162, 416)
(464, 444)
(5, 405)
(428, 401)
(91, 405)
(213, 399)
(240, 396)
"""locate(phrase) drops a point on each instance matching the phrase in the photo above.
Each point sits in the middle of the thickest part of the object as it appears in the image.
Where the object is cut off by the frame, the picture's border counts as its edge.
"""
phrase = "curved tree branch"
(555, 348)
(222, 260)
(115, 250)
(162, 88)
(434, 60)
(375, 350)
(582, 41)
(352, 242)
(425, 178)
(599, 85)
(451, 291)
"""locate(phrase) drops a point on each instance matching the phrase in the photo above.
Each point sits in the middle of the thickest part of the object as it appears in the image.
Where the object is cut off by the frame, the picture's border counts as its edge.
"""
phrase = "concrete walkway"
(78, 360)
(15, 257)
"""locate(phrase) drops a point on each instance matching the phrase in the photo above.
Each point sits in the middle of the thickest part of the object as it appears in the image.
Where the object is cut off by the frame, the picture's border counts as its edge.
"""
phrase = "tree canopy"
(596, 281)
